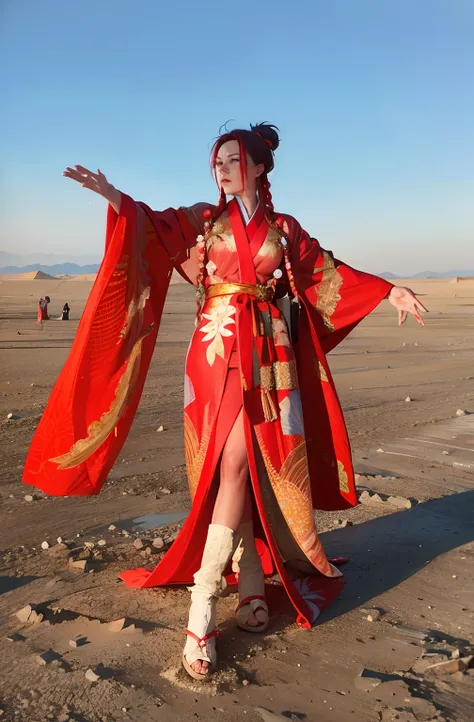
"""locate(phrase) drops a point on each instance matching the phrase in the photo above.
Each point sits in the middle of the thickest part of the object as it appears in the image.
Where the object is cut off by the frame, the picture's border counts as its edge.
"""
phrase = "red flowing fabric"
(86, 390)
(93, 403)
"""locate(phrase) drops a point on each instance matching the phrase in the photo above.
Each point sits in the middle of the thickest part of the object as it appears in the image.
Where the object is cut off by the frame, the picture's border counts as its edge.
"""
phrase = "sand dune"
(29, 276)
(84, 277)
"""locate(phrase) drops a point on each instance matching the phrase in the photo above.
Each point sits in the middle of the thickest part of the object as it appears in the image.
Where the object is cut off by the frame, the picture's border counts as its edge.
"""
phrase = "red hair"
(260, 142)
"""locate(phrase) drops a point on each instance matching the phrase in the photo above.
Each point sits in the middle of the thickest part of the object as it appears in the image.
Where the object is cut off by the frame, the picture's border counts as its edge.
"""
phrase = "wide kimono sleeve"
(336, 295)
(333, 298)
(94, 400)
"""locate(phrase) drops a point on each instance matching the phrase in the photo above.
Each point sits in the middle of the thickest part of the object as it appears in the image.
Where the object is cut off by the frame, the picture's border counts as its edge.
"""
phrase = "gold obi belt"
(261, 293)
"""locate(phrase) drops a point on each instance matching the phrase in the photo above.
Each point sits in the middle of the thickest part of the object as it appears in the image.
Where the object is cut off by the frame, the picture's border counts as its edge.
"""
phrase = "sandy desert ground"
(414, 565)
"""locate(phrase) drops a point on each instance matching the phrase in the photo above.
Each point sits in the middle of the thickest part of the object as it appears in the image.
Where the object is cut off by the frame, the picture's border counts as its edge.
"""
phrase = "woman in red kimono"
(265, 439)
(43, 309)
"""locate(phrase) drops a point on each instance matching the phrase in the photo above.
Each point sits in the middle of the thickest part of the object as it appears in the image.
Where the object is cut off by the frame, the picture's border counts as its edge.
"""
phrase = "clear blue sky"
(374, 100)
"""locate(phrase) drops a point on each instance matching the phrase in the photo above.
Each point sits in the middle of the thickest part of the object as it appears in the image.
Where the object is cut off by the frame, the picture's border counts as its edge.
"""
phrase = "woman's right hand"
(96, 182)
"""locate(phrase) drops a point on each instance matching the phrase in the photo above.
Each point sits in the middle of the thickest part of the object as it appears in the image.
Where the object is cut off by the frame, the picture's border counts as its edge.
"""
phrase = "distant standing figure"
(43, 309)
(65, 316)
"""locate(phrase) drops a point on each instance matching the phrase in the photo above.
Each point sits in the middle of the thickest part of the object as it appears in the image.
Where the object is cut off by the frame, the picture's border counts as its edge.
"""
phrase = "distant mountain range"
(58, 269)
(74, 269)
(41, 260)
(430, 274)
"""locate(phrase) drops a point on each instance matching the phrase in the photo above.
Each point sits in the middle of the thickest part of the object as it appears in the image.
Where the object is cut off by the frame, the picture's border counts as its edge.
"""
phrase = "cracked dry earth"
(396, 645)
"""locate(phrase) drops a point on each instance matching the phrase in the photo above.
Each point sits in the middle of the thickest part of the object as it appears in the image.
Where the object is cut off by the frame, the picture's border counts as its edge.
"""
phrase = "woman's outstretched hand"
(406, 302)
(96, 182)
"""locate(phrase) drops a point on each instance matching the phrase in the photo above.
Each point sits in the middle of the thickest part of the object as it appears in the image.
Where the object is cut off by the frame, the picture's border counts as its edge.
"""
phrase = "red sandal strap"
(247, 600)
(202, 640)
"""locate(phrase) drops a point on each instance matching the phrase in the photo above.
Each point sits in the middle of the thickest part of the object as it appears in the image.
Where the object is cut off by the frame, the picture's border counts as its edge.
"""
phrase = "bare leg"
(231, 497)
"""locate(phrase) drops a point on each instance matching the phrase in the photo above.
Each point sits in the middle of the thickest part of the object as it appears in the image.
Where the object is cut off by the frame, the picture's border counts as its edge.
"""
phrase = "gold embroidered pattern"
(322, 372)
(195, 450)
(286, 378)
(271, 247)
(221, 230)
(328, 289)
(128, 286)
(267, 379)
(343, 479)
(98, 431)
(281, 375)
(292, 489)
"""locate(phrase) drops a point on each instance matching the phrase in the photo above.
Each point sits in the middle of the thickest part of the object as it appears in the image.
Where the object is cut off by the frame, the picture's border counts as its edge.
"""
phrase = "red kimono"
(241, 355)
(42, 310)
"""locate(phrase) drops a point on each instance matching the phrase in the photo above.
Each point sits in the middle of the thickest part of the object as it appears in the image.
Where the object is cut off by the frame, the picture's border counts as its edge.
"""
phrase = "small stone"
(449, 667)
(422, 707)
(101, 542)
(112, 527)
(89, 545)
(165, 491)
(158, 542)
(118, 624)
(245, 682)
(408, 399)
(460, 412)
(45, 545)
(79, 564)
(78, 641)
(400, 502)
(373, 611)
(145, 552)
(24, 614)
(425, 661)
(91, 676)
(380, 451)
(364, 497)
(373, 615)
(48, 657)
(269, 716)
(140, 543)
(455, 654)
(445, 453)
(346, 522)
(59, 550)
(59, 540)
(391, 715)
(367, 680)
(35, 617)
(30, 497)
(160, 429)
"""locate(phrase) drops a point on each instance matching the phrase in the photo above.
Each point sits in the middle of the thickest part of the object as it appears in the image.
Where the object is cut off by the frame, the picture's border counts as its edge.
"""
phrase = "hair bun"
(269, 134)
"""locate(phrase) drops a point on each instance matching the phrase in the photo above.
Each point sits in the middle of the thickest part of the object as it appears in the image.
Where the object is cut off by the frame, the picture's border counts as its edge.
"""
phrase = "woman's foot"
(199, 655)
(252, 614)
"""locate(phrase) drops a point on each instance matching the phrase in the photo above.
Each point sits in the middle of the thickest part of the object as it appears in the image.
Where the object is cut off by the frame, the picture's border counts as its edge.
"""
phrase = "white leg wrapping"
(208, 585)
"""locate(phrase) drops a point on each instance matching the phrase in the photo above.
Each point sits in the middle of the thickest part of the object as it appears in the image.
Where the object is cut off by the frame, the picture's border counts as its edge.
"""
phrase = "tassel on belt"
(261, 293)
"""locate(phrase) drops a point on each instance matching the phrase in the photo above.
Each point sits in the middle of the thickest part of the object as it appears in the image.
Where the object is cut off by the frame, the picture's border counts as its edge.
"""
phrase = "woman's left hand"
(406, 302)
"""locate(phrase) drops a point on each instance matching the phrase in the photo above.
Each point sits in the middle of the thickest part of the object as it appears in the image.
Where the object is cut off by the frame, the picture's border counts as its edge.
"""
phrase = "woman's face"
(228, 173)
